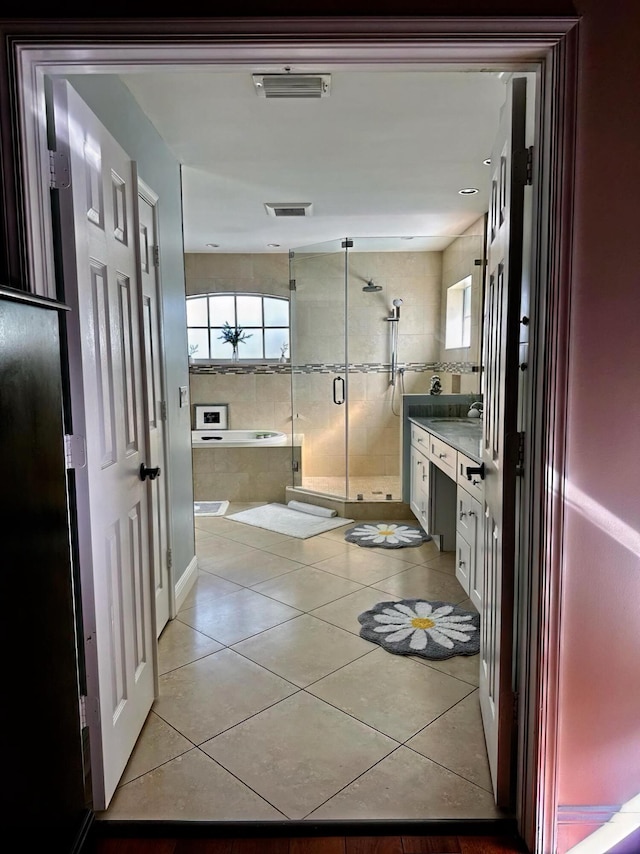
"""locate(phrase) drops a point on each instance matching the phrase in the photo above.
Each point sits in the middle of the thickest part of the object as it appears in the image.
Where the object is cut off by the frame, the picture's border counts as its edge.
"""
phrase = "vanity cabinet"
(447, 498)
(420, 499)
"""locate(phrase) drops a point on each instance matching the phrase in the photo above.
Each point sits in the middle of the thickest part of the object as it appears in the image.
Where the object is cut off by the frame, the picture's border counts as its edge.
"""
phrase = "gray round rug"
(386, 535)
(435, 630)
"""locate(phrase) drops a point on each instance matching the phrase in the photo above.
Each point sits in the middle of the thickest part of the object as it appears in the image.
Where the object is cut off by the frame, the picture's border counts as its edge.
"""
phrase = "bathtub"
(237, 438)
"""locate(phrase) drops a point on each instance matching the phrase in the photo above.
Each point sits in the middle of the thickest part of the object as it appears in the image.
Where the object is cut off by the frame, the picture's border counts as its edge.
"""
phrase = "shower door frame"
(294, 285)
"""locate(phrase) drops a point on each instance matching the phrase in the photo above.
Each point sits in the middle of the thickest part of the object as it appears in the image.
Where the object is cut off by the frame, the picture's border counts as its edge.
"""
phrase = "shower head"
(370, 288)
(396, 308)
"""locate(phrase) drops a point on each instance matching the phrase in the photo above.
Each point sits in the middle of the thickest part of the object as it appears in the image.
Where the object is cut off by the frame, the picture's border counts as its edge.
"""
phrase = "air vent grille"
(290, 209)
(292, 85)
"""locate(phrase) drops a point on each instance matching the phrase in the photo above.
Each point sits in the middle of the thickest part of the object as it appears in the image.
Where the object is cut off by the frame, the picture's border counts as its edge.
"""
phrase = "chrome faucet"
(475, 410)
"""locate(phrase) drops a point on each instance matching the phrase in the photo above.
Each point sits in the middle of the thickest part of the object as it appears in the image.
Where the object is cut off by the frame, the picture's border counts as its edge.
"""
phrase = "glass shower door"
(319, 379)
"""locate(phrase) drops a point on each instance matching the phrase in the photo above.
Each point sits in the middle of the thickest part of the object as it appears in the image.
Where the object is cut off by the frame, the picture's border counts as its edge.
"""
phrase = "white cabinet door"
(419, 495)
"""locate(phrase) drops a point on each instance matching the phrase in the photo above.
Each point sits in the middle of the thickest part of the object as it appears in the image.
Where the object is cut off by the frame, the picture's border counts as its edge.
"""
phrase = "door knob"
(471, 470)
(145, 472)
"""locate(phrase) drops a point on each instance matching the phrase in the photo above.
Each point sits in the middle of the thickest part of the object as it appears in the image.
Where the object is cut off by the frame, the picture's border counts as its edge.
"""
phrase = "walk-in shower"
(352, 355)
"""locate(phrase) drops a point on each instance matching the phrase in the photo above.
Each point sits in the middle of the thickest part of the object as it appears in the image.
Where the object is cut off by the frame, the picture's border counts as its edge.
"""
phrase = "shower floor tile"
(375, 488)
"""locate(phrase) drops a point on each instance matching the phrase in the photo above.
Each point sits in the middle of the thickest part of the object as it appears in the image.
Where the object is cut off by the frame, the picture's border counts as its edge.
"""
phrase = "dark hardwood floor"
(314, 845)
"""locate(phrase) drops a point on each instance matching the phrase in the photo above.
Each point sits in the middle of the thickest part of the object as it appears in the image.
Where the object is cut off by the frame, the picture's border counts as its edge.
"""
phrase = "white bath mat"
(210, 508)
(284, 520)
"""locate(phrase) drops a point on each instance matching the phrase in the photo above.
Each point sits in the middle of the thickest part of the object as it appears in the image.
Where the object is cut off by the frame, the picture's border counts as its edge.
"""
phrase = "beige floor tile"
(214, 548)
(391, 693)
(363, 566)
(344, 612)
(307, 588)
(208, 586)
(213, 525)
(212, 694)
(456, 740)
(310, 550)
(237, 616)
(338, 533)
(303, 650)
(299, 753)
(180, 644)
(443, 562)
(192, 787)
(408, 786)
(464, 667)
(422, 582)
(248, 570)
(157, 743)
(259, 538)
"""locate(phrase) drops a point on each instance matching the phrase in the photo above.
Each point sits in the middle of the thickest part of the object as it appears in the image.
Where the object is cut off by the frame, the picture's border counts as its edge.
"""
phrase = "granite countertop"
(463, 434)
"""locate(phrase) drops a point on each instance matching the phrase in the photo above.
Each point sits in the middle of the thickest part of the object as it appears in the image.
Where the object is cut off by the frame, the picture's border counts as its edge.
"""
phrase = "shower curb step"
(348, 509)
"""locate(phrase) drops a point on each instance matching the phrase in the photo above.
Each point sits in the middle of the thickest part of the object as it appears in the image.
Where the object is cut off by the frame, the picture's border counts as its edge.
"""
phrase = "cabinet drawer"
(420, 439)
(468, 516)
(443, 455)
(475, 486)
(464, 568)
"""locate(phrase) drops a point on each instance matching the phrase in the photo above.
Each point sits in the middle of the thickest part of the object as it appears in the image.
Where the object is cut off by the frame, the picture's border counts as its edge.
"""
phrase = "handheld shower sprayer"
(396, 308)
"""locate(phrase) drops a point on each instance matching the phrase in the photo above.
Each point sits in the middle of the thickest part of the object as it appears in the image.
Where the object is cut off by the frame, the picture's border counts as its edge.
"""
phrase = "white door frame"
(545, 45)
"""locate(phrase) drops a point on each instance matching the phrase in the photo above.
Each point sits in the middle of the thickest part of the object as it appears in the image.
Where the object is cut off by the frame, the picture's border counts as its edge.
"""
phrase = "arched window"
(263, 321)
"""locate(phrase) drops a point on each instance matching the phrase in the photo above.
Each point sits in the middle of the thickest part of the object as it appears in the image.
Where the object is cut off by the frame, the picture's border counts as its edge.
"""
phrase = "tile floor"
(272, 707)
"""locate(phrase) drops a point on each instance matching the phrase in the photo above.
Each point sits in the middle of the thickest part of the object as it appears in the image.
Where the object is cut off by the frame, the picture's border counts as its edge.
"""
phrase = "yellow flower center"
(387, 532)
(422, 623)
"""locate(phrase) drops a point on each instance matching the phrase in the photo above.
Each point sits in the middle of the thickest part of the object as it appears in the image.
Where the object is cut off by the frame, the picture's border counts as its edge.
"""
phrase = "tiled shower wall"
(259, 397)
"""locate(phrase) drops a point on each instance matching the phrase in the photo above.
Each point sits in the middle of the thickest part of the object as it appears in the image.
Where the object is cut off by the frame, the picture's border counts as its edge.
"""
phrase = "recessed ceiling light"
(468, 191)
(487, 162)
(213, 245)
(407, 238)
(274, 245)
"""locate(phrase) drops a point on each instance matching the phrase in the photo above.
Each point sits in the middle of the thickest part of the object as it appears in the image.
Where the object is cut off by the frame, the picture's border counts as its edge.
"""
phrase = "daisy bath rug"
(435, 630)
(386, 535)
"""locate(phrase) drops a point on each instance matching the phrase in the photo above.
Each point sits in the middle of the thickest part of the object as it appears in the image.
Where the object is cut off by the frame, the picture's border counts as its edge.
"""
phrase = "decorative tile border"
(333, 367)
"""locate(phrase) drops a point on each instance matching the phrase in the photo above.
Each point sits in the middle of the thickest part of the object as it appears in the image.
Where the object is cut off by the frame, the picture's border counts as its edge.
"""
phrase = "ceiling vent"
(291, 209)
(292, 85)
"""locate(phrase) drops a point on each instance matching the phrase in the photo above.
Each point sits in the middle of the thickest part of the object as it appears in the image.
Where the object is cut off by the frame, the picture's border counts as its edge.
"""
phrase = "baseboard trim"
(186, 582)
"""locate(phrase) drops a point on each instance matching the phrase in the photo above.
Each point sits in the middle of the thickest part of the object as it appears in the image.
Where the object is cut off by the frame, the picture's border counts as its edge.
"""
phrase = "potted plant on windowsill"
(233, 335)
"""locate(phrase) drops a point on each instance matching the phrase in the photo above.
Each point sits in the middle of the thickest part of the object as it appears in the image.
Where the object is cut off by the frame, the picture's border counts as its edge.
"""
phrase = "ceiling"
(383, 155)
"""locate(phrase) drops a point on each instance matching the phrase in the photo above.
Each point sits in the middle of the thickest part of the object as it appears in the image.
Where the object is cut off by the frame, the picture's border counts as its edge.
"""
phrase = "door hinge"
(347, 244)
(169, 559)
(520, 462)
(523, 166)
(529, 170)
(295, 465)
(156, 256)
(75, 452)
(59, 172)
(83, 712)
(292, 284)
(163, 410)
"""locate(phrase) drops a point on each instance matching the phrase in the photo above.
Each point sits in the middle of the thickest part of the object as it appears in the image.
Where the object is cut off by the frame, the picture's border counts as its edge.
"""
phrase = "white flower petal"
(419, 639)
(391, 618)
(454, 618)
(442, 611)
(399, 636)
(439, 638)
(459, 636)
(405, 609)
(393, 627)
(424, 609)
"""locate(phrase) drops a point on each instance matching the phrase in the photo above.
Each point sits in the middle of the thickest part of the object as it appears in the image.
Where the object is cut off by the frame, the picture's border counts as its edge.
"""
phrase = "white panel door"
(154, 398)
(500, 438)
(100, 276)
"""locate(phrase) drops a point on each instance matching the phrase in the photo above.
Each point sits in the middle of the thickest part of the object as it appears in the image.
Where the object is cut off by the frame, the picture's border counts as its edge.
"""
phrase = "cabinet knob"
(460, 563)
(462, 514)
(472, 512)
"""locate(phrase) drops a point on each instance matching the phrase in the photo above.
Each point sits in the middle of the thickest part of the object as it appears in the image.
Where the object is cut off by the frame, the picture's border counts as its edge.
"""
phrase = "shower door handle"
(335, 391)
